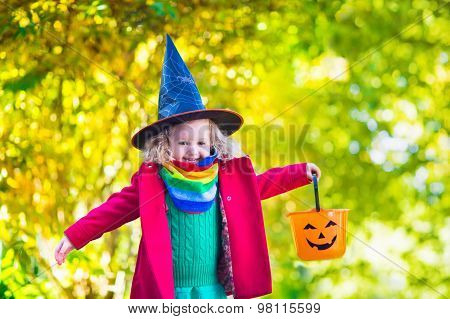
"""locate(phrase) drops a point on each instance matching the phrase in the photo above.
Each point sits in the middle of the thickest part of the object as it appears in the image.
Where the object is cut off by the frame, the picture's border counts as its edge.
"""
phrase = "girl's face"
(190, 141)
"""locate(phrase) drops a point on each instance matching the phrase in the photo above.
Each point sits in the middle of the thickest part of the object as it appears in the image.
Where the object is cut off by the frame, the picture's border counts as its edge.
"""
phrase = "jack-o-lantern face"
(321, 237)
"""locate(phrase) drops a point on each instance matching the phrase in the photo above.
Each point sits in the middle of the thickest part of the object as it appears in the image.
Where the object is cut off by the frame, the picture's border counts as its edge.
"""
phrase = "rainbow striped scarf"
(191, 186)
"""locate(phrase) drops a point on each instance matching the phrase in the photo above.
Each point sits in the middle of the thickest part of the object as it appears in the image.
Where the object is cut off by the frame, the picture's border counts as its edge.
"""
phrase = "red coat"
(241, 192)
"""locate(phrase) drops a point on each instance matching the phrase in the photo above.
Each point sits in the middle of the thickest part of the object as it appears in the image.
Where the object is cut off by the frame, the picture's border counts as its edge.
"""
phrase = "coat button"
(228, 198)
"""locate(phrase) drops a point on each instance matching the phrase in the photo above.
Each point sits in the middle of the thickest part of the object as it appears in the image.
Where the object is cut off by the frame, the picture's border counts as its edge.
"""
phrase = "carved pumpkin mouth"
(323, 246)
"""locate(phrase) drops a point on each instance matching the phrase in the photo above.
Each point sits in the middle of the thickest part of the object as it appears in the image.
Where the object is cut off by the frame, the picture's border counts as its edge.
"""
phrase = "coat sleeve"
(279, 180)
(120, 208)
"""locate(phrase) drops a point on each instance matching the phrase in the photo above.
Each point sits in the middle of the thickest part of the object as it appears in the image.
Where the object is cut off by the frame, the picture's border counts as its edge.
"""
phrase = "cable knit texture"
(195, 245)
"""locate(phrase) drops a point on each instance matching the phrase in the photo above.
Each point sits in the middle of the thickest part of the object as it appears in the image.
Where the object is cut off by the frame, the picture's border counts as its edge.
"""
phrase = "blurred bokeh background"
(359, 87)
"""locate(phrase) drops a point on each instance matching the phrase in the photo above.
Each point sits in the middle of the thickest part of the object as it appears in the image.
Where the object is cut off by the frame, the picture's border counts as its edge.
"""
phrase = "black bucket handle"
(316, 191)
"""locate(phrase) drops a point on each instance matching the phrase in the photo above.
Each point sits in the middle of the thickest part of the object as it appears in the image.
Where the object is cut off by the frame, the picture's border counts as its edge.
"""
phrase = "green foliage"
(358, 87)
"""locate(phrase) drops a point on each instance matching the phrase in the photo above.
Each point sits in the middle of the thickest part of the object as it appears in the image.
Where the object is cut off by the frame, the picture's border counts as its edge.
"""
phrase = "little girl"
(198, 199)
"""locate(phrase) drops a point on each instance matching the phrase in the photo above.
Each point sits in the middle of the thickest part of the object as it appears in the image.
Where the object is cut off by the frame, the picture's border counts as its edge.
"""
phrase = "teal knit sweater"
(195, 245)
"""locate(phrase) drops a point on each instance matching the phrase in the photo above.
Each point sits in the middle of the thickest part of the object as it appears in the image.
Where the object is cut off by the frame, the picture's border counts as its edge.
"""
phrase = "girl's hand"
(63, 249)
(310, 169)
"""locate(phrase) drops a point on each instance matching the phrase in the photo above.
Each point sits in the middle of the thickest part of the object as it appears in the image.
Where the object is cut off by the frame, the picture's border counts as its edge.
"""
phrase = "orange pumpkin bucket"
(319, 233)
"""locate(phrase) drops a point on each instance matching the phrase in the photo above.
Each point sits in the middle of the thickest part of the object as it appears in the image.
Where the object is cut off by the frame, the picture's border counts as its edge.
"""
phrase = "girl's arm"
(120, 208)
(279, 180)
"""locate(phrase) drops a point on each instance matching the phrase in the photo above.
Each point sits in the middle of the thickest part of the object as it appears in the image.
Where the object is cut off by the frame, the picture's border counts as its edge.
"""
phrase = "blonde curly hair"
(157, 149)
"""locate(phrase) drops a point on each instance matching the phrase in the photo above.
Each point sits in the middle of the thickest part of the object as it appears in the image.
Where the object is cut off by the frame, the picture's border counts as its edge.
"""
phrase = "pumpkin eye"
(330, 223)
(309, 226)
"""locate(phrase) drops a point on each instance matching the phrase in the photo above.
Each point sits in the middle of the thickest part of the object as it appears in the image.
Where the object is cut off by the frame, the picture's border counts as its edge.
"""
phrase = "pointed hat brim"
(228, 122)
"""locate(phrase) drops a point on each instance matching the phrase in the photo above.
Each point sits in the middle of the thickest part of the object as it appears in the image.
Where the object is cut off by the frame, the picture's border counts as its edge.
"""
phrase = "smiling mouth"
(190, 160)
(323, 246)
